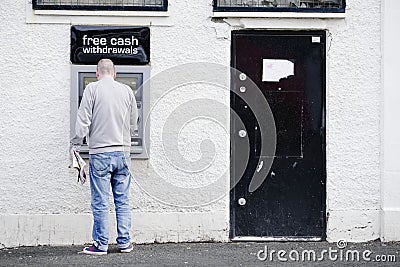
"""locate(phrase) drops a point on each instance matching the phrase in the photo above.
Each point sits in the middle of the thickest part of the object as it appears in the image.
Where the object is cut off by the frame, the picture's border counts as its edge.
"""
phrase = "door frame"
(232, 236)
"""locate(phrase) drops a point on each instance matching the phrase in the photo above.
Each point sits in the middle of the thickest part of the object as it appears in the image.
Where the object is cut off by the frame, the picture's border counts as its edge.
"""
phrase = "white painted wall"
(40, 199)
(391, 127)
(353, 138)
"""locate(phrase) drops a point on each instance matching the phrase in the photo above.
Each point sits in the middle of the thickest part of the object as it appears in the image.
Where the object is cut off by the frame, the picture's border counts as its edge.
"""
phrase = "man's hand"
(73, 148)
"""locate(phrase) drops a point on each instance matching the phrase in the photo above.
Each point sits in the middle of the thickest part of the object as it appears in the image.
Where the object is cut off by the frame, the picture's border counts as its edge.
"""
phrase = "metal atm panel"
(134, 77)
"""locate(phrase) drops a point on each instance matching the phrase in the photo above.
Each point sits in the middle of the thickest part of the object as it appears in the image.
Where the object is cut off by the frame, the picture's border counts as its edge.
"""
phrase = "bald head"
(105, 68)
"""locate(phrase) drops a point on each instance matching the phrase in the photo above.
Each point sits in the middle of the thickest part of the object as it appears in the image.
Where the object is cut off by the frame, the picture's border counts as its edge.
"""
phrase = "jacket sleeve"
(84, 117)
(133, 116)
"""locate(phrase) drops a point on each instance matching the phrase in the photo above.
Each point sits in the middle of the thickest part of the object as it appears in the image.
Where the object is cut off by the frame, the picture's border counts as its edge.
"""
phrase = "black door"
(288, 67)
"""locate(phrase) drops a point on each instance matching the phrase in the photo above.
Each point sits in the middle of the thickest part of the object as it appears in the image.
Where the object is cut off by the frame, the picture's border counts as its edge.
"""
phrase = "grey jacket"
(108, 112)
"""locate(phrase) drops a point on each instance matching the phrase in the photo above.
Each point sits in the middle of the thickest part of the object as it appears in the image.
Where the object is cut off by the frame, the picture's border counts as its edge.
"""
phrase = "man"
(108, 112)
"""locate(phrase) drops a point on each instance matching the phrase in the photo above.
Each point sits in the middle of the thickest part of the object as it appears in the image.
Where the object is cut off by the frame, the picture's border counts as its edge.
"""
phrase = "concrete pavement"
(212, 254)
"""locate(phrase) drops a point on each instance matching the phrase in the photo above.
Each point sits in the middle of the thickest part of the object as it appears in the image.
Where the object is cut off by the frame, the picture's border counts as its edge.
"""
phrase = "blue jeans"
(110, 170)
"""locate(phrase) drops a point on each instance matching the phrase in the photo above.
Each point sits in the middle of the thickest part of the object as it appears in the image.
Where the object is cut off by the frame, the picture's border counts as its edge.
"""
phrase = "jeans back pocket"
(100, 164)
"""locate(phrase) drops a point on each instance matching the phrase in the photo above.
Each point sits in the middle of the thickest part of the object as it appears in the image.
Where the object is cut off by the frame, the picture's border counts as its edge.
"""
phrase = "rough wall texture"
(35, 90)
(34, 133)
(354, 107)
(391, 127)
(353, 138)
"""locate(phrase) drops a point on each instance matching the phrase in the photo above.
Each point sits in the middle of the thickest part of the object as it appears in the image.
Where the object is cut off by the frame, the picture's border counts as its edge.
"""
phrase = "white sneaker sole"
(127, 250)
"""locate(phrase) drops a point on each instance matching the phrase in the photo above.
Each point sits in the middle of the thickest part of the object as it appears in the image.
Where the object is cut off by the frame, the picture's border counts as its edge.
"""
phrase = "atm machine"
(134, 77)
(129, 48)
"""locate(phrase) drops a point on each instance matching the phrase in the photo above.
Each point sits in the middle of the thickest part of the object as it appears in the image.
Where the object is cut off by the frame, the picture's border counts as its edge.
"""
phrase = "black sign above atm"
(123, 45)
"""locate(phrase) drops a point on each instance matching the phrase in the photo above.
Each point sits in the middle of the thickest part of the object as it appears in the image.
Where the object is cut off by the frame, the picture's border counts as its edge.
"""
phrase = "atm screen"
(88, 80)
(133, 80)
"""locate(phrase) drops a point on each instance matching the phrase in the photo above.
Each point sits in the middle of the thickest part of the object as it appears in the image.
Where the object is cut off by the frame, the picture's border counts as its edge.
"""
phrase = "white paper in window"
(276, 69)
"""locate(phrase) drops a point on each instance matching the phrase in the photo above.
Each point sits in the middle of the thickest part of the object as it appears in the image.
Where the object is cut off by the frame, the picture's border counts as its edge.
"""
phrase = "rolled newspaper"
(78, 163)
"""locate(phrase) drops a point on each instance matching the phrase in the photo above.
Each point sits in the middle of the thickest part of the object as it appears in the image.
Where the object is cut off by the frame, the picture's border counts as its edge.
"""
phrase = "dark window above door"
(319, 6)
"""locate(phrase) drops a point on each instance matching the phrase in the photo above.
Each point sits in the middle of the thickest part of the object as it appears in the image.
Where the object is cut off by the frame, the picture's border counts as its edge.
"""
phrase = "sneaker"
(93, 250)
(127, 249)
